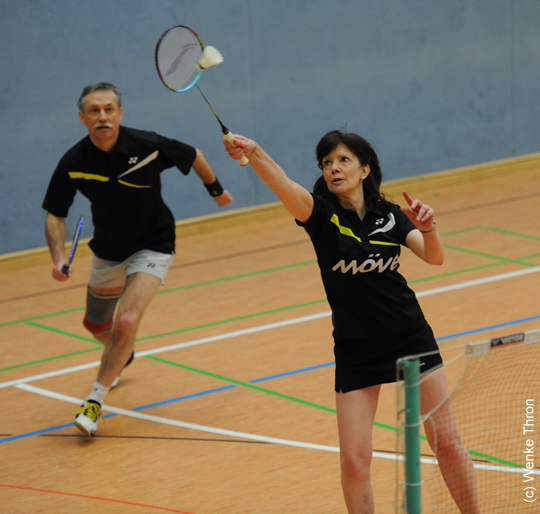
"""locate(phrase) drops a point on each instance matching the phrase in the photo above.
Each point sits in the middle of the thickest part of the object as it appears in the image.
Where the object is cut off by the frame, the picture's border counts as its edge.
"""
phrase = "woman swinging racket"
(357, 235)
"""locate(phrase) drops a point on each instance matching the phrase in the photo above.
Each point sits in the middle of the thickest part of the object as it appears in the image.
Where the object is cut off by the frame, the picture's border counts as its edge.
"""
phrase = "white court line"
(480, 281)
(169, 348)
(173, 422)
(241, 435)
(262, 328)
(22, 383)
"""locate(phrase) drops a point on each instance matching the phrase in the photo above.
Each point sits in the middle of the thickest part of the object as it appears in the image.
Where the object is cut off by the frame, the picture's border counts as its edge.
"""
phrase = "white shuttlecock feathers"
(211, 56)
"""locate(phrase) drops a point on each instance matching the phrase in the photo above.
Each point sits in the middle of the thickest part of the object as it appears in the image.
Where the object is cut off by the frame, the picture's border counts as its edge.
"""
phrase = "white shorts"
(109, 274)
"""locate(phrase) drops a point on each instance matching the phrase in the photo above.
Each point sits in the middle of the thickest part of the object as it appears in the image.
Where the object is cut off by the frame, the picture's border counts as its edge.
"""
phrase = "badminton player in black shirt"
(357, 235)
(118, 169)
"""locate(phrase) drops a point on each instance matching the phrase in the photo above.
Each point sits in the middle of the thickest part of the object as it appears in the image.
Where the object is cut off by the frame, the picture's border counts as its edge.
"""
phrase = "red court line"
(94, 498)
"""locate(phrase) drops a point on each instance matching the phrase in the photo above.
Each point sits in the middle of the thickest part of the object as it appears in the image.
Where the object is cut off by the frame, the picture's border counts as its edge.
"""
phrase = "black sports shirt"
(359, 261)
(128, 212)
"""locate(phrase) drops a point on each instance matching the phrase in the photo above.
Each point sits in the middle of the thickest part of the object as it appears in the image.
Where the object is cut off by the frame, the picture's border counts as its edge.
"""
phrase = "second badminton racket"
(76, 237)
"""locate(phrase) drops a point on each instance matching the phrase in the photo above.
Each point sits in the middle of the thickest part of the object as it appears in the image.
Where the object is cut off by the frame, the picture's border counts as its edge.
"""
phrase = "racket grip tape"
(65, 269)
(230, 138)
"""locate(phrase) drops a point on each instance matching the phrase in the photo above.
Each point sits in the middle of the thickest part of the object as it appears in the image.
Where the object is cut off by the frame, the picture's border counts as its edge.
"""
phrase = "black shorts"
(365, 362)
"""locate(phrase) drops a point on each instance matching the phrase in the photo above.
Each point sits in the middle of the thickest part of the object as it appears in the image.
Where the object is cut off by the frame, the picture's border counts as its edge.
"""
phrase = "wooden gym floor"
(229, 406)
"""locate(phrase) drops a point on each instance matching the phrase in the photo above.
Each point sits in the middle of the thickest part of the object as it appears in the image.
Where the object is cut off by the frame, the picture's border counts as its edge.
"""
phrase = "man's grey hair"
(98, 86)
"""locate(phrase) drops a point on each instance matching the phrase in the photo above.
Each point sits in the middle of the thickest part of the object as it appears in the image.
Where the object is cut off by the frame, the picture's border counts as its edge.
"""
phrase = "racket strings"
(177, 56)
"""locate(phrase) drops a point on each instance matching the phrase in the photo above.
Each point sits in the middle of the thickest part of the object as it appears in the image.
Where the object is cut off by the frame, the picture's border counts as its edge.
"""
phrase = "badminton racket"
(76, 237)
(181, 57)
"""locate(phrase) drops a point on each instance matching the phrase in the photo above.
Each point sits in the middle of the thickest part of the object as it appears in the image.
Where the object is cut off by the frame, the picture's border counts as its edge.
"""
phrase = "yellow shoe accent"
(87, 417)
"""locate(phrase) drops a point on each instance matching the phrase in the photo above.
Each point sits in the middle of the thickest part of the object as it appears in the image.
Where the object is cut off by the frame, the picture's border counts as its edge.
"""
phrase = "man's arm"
(55, 232)
(204, 170)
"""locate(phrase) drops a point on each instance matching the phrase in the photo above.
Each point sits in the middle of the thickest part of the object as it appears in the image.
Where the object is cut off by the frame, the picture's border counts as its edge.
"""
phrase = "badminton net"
(496, 404)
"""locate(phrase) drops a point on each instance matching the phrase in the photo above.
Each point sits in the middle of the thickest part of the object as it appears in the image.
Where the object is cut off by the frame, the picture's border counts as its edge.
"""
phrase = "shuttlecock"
(211, 56)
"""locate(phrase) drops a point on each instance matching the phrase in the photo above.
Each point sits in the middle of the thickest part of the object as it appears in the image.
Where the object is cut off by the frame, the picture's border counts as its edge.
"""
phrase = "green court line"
(490, 229)
(156, 336)
(455, 273)
(512, 233)
(241, 383)
(238, 277)
(172, 290)
(49, 359)
(41, 316)
(500, 260)
(463, 231)
(56, 357)
(254, 387)
(61, 332)
(198, 327)
(495, 459)
(504, 260)
(531, 256)
(231, 320)
(271, 392)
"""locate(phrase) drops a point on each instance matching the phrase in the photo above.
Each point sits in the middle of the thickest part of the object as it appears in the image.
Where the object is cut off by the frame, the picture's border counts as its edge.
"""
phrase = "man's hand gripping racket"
(181, 58)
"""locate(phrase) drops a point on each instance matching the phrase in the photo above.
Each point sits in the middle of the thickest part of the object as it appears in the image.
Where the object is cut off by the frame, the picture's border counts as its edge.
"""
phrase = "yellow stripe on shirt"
(348, 232)
(131, 185)
(100, 178)
(344, 230)
(88, 176)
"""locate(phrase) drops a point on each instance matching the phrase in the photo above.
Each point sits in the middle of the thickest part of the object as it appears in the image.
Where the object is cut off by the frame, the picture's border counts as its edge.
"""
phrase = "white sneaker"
(87, 417)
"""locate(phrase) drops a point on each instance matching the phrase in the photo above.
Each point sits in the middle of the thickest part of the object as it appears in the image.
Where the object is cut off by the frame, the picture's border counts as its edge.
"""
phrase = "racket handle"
(230, 138)
(65, 269)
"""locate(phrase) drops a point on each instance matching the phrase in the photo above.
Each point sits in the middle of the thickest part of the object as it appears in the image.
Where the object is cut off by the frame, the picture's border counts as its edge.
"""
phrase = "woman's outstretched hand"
(421, 214)
(242, 147)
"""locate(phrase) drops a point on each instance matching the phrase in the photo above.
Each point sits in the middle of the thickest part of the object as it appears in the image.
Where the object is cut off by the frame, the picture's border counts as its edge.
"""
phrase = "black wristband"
(214, 189)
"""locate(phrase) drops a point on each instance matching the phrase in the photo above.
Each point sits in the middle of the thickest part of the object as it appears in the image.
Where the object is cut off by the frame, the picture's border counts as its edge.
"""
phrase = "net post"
(413, 492)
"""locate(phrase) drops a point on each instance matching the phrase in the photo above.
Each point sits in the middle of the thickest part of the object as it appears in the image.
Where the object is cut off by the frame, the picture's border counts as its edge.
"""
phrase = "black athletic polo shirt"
(128, 212)
(359, 261)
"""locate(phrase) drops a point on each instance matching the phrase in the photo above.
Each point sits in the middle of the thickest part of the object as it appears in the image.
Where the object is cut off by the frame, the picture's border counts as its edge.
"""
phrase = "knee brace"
(99, 312)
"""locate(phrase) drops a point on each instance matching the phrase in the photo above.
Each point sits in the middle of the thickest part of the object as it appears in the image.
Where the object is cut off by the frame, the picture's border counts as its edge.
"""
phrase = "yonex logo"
(391, 223)
(133, 160)
(507, 340)
(150, 265)
(369, 265)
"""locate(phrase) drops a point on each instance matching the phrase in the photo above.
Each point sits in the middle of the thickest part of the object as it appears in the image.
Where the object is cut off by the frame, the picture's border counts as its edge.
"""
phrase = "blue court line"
(289, 373)
(256, 380)
(45, 430)
(172, 400)
(489, 327)
(185, 397)
(229, 387)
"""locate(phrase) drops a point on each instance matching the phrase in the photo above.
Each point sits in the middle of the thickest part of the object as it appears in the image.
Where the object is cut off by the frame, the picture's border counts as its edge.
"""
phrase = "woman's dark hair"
(375, 200)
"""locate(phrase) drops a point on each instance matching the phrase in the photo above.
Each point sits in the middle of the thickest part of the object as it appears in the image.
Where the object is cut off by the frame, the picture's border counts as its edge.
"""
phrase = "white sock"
(98, 393)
